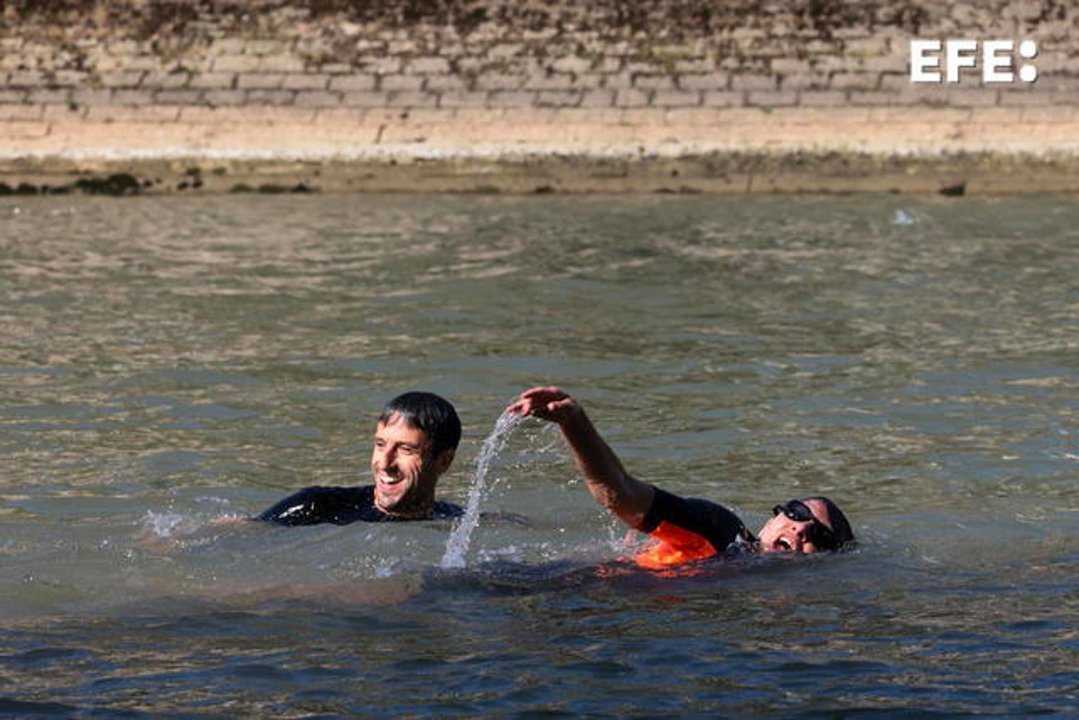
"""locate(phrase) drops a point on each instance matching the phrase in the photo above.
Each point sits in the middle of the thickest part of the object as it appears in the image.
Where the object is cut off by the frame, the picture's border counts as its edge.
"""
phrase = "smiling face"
(785, 534)
(404, 469)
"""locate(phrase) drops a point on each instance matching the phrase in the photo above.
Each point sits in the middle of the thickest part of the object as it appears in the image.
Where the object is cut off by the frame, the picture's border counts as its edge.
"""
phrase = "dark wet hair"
(430, 413)
(840, 525)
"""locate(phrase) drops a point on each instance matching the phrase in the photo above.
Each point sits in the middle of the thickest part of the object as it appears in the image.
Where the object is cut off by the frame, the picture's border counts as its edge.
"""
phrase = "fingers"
(543, 402)
(521, 407)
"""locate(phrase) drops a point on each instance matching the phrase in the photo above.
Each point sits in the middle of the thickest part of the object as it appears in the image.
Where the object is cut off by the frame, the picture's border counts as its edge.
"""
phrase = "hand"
(548, 403)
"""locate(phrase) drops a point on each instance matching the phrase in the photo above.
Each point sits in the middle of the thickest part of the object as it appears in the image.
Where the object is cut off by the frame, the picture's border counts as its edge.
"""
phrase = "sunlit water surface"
(169, 364)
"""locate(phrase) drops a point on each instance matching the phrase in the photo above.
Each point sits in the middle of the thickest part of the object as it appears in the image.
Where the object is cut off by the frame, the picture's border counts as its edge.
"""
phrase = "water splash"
(457, 545)
(903, 218)
(163, 524)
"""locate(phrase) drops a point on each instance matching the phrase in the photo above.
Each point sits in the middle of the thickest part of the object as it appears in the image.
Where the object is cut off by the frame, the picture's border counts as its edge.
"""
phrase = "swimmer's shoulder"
(318, 504)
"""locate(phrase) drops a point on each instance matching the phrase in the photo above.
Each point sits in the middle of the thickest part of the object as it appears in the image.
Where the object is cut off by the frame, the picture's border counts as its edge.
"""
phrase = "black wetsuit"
(690, 529)
(340, 506)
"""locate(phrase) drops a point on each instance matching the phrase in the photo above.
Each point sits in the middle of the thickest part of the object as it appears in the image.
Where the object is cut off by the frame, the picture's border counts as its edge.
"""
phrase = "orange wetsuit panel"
(673, 545)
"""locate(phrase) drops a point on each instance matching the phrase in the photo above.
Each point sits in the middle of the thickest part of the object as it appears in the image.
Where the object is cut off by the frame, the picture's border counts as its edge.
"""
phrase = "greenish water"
(169, 363)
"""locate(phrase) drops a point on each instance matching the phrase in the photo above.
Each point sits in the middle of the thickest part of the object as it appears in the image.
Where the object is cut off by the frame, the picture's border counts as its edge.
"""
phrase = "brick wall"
(440, 73)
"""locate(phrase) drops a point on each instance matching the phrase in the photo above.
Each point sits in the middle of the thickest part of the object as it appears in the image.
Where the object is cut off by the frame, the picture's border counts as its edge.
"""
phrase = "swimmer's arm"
(625, 496)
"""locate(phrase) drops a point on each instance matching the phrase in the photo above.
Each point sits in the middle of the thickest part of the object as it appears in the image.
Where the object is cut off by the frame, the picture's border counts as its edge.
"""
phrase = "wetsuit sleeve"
(693, 520)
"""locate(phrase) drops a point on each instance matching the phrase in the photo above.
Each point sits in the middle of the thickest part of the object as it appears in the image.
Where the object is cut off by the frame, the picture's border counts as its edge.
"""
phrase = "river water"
(168, 366)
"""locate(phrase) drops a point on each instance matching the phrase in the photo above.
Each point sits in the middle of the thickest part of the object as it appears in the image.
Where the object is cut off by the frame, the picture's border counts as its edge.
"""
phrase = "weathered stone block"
(381, 66)
(571, 65)
(26, 79)
(352, 83)
(498, 81)
(618, 81)
(132, 97)
(854, 81)
(825, 98)
(236, 64)
(91, 96)
(638, 67)
(336, 68)
(147, 63)
(270, 97)
(675, 98)
(69, 78)
(790, 66)
(401, 46)
(708, 81)
(597, 99)
(265, 47)
(981, 97)
(694, 66)
(259, 81)
(607, 65)
(813, 81)
(1052, 82)
(281, 64)
(364, 99)
(212, 81)
(503, 98)
(556, 81)
(177, 97)
(166, 80)
(1034, 99)
(411, 99)
(428, 65)
(122, 48)
(505, 51)
(126, 79)
(653, 82)
(632, 98)
(462, 99)
(224, 97)
(312, 81)
(872, 98)
(887, 64)
(723, 98)
(401, 82)
(317, 98)
(228, 46)
(555, 98)
(771, 98)
(440, 83)
(742, 81)
(589, 81)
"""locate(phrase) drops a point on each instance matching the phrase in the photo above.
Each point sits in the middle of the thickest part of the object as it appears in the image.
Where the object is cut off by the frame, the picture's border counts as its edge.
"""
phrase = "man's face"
(784, 534)
(403, 469)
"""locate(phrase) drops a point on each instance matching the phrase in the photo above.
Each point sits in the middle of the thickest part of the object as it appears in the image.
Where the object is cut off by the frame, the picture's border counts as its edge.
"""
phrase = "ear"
(444, 460)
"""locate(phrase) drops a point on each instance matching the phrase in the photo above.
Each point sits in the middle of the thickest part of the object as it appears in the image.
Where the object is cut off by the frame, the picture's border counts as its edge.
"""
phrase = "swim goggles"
(818, 533)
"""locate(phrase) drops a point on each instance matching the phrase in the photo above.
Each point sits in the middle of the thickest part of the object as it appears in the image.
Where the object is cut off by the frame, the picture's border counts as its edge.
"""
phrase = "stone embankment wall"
(680, 95)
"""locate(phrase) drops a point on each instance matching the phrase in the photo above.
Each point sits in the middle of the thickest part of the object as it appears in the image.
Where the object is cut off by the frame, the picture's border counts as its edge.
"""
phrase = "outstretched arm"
(608, 482)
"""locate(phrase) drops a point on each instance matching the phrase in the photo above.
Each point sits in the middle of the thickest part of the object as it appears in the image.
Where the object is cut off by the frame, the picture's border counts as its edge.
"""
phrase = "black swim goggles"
(818, 533)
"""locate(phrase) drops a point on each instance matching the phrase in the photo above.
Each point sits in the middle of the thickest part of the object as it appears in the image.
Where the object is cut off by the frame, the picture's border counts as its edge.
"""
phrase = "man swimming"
(415, 440)
(685, 528)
